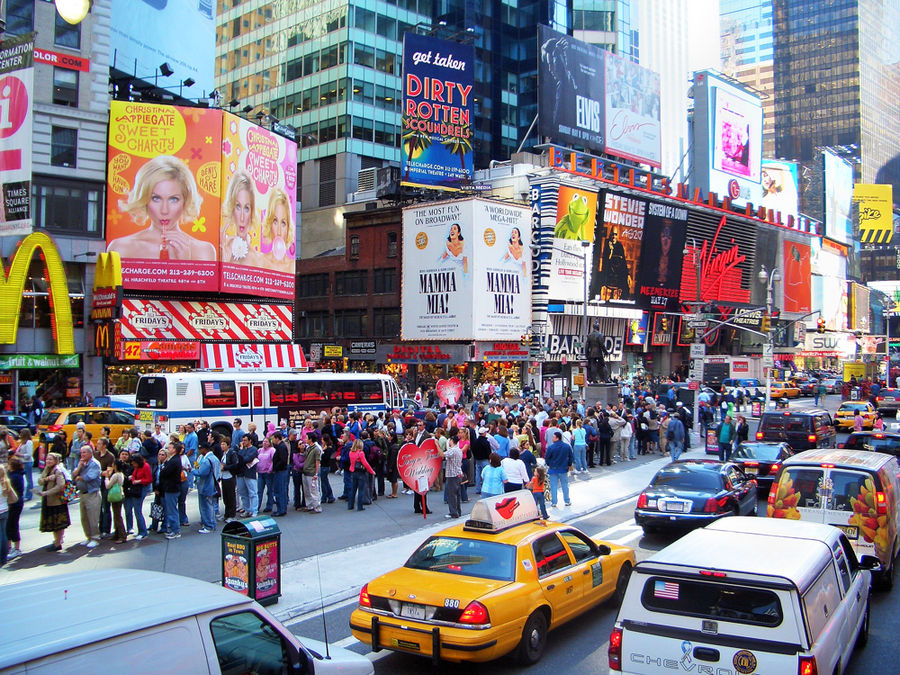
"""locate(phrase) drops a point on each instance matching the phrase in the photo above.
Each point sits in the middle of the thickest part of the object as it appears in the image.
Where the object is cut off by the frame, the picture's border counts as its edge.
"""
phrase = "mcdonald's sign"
(107, 339)
(107, 295)
(12, 288)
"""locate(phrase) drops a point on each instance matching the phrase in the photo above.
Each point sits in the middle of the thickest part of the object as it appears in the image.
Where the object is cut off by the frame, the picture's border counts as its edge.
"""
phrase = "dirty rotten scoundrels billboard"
(437, 135)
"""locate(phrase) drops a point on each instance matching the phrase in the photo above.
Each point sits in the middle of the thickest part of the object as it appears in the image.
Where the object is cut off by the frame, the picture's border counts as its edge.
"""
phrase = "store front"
(422, 365)
(56, 377)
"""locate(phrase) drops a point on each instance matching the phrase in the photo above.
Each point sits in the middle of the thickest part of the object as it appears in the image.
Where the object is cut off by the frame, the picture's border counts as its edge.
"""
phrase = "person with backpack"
(360, 470)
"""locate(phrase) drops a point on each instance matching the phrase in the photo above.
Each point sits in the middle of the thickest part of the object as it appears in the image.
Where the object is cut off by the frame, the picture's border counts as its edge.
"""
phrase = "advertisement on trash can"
(712, 442)
(266, 569)
(235, 573)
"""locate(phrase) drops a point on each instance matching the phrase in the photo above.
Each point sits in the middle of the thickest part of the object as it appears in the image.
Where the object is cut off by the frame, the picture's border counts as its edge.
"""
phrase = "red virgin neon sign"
(720, 279)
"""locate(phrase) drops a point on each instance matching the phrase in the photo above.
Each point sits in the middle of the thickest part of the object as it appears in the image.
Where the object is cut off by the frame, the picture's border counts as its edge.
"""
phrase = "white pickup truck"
(746, 595)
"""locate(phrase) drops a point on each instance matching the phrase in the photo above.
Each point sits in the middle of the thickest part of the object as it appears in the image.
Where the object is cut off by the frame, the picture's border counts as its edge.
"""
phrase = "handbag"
(157, 511)
(68, 493)
(115, 494)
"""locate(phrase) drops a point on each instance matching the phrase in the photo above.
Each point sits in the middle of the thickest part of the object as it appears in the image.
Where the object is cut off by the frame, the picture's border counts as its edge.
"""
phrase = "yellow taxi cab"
(66, 419)
(846, 414)
(784, 390)
(497, 583)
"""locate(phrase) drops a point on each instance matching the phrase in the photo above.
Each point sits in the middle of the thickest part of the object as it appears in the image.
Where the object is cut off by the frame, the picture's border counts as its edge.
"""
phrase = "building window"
(384, 280)
(387, 323)
(392, 245)
(36, 311)
(19, 16)
(68, 206)
(352, 282)
(63, 144)
(65, 87)
(65, 34)
(313, 324)
(312, 285)
(354, 247)
(350, 323)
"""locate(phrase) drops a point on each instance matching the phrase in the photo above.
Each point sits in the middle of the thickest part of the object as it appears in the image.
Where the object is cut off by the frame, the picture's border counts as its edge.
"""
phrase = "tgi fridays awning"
(252, 356)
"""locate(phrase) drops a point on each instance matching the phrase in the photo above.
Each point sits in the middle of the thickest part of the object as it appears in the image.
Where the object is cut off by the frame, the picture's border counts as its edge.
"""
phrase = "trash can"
(854, 394)
(251, 558)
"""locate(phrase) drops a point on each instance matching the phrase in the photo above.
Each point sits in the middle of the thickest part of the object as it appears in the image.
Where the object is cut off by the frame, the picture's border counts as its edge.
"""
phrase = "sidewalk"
(309, 583)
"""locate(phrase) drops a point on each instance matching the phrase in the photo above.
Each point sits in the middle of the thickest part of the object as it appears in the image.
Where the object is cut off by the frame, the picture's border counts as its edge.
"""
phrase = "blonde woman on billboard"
(454, 249)
(278, 232)
(165, 194)
(239, 220)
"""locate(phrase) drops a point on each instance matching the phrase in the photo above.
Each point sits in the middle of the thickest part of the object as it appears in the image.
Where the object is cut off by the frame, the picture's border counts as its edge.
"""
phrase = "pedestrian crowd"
(488, 447)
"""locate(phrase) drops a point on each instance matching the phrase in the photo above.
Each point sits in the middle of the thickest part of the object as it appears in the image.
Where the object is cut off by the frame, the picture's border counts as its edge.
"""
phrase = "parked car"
(801, 429)
(746, 595)
(16, 423)
(856, 491)
(876, 441)
(846, 414)
(833, 385)
(808, 387)
(66, 419)
(762, 460)
(784, 390)
(694, 492)
(888, 401)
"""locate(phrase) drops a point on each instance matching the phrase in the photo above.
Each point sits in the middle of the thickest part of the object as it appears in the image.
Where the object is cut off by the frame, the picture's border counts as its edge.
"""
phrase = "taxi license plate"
(411, 610)
(145, 416)
(751, 470)
(677, 507)
(852, 531)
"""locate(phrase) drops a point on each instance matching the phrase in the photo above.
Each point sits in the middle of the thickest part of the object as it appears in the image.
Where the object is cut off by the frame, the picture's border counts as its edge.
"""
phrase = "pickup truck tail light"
(615, 650)
(807, 666)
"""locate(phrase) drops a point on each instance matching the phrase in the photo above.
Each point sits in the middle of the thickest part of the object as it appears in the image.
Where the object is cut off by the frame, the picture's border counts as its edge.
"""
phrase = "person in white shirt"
(161, 436)
(516, 473)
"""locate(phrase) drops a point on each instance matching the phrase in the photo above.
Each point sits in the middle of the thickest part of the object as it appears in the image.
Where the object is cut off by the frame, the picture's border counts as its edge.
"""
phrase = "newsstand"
(251, 558)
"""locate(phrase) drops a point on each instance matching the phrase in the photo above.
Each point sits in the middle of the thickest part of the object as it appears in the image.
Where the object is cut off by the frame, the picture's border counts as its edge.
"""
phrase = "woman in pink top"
(265, 477)
(464, 446)
(361, 469)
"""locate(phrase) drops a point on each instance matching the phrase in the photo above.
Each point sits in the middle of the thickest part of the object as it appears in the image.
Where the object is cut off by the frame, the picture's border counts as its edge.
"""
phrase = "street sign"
(696, 370)
(693, 385)
(800, 332)
(767, 351)
(698, 351)
(768, 362)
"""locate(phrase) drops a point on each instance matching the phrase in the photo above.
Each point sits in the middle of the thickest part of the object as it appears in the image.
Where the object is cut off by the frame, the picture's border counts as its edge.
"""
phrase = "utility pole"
(770, 280)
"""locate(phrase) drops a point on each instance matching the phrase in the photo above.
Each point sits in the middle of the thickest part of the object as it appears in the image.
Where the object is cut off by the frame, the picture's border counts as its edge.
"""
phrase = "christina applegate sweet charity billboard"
(466, 271)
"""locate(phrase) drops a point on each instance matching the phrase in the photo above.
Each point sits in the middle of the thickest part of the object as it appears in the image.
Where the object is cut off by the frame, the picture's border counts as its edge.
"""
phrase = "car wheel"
(622, 583)
(534, 639)
(863, 637)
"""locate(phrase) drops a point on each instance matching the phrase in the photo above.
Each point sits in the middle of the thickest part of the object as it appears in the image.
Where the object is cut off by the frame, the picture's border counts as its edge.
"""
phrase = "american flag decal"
(211, 388)
(665, 589)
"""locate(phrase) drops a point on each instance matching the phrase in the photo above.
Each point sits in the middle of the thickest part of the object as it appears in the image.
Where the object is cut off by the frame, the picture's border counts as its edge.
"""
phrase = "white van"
(857, 491)
(745, 595)
(133, 621)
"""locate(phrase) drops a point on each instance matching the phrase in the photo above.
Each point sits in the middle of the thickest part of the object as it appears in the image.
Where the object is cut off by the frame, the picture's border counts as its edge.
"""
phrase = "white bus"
(218, 397)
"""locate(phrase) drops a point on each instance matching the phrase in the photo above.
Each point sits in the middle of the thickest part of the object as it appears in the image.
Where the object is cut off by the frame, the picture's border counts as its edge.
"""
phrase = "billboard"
(437, 134)
(258, 241)
(162, 195)
(620, 231)
(838, 198)
(797, 275)
(632, 111)
(779, 188)
(466, 271)
(570, 91)
(205, 321)
(859, 307)
(876, 212)
(576, 215)
(724, 250)
(662, 253)
(16, 93)
(727, 139)
(184, 36)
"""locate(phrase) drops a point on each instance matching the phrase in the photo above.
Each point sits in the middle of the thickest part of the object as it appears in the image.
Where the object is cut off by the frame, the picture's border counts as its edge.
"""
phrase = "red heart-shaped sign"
(418, 465)
(449, 391)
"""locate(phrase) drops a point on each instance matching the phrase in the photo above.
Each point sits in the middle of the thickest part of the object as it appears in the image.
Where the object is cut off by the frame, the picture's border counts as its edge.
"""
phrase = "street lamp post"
(585, 245)
(770, 279)
(887, 347)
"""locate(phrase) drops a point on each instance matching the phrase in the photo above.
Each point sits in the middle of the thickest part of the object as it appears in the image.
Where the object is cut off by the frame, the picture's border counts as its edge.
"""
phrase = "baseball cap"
(679, 404)
(482, 430)
(80, 425)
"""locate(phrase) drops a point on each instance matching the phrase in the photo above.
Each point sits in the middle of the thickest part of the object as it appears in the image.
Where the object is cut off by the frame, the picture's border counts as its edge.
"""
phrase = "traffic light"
(766, 323)
(820, 325)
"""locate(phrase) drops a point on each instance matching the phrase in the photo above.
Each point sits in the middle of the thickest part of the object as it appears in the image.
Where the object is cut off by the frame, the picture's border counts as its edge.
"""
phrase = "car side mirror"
(603, 549)
(870, 562)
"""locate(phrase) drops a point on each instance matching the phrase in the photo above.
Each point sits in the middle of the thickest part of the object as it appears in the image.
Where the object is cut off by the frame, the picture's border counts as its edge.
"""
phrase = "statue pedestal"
(601, 394)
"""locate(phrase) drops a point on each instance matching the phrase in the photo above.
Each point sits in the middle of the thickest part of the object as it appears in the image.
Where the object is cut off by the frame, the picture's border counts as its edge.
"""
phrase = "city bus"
(171, 399)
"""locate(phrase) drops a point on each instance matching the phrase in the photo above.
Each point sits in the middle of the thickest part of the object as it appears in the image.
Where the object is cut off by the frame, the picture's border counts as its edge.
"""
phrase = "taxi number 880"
(451, 604)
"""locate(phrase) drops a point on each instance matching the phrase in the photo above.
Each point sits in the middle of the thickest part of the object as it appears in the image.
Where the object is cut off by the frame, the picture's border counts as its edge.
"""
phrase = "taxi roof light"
(495, 514)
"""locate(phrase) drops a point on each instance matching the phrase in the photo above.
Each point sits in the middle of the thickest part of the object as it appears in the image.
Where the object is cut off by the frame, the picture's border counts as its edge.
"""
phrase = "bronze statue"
(596, 354)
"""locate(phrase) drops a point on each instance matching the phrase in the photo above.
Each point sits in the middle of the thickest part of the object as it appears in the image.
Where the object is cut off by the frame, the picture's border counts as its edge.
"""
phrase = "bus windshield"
(151, 392)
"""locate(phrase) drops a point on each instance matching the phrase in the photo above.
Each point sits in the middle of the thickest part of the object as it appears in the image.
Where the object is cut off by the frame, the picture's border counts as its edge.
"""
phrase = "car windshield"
(763, 451)
(468, 557)
(49, 417)
(853, 407)
(687, 477)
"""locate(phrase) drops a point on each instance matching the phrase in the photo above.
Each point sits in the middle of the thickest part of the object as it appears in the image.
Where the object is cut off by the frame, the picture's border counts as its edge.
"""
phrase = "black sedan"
(888, 401)
(762, 460)
(691, 493)
(875, 441)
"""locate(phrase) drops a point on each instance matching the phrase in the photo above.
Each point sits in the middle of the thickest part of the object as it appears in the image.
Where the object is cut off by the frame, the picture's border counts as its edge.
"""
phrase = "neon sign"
(12, 289)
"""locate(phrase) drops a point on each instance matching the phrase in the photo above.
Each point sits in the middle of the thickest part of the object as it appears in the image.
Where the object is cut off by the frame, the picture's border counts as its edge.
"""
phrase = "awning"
(252, 356)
